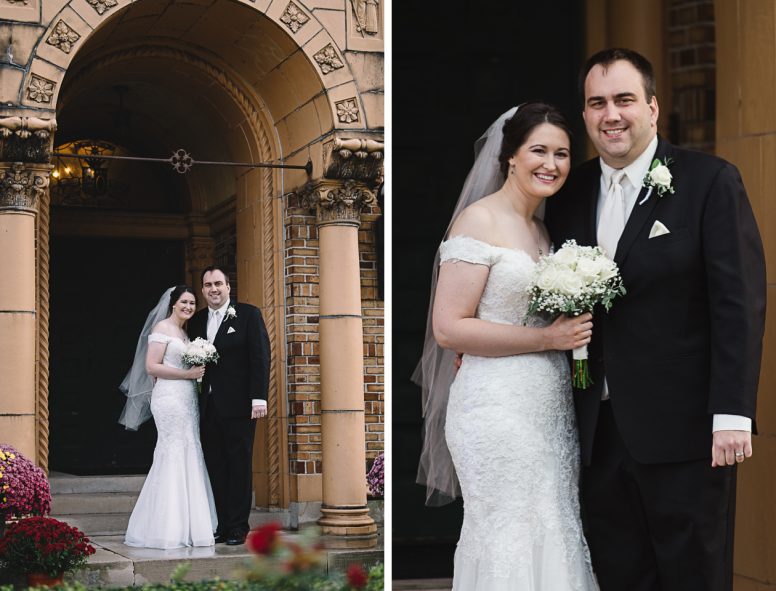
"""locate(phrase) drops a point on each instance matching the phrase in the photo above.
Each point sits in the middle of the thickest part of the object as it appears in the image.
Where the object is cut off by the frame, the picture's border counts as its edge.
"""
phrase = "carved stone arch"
(77, 21)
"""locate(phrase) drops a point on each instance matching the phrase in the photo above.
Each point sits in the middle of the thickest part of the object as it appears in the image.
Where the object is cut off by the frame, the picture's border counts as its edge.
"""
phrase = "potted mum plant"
(376, 477)
(24, 488)
(43, 549)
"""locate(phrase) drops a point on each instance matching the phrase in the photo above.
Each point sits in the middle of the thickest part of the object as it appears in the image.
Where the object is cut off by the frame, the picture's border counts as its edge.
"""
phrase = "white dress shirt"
(632, 182)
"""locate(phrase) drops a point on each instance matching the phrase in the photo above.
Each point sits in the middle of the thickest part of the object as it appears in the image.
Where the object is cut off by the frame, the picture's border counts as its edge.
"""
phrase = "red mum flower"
(263, 539)
(357, 577)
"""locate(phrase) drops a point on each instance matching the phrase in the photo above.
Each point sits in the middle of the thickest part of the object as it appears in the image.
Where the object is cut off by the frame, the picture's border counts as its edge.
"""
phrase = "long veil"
(137, 384)
(436, 370)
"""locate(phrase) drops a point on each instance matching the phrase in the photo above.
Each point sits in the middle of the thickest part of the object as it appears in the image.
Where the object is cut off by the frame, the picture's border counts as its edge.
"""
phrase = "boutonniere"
(231, 313)
(658, 177)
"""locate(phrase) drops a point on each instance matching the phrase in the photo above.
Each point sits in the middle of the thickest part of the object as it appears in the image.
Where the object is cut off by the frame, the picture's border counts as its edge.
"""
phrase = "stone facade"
(692, 65)
(237, 80)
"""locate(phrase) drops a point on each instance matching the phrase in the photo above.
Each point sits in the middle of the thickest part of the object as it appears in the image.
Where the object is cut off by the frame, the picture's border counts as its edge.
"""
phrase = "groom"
(676, 361)
(234, 394)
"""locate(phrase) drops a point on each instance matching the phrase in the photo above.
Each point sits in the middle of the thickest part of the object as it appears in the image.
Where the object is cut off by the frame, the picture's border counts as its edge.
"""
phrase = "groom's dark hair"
(212, 268)
(607, 57)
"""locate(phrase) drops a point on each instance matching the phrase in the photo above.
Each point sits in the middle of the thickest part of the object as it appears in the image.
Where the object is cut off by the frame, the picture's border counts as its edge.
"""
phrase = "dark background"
(101, 293)
(455, 70)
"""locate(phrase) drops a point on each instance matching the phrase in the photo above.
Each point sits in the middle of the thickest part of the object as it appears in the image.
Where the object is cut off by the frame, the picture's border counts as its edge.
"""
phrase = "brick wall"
(692, 68)
(303, 366)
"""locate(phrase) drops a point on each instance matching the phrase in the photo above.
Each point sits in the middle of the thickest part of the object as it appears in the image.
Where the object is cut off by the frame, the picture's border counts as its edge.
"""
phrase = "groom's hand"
(258, 411)
(730, 447)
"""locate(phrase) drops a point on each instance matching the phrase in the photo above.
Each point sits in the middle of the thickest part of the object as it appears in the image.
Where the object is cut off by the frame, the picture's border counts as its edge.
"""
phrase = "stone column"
(25, 153)
(22, 188)
(338, 205)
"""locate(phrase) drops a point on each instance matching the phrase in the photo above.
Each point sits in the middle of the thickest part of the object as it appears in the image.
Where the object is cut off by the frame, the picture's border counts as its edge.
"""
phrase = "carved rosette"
(63, 37)
(338, 203)
(328, 60)
(22, 185)
(347, 110)
(40, 89)
(293, 17)
(26, 139)
(102, 6)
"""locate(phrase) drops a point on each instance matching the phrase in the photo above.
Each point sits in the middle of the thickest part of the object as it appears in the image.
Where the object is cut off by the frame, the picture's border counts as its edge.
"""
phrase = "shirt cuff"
(731, 423)
(259, 402)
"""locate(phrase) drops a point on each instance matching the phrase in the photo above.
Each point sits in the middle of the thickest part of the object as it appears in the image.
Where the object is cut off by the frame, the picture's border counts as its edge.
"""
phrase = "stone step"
(115, 523)
(69, 484)
(83, 503)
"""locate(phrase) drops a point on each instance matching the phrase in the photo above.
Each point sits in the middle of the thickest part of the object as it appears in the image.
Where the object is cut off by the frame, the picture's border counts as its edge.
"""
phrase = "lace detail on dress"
(175, 507)
(512, 434)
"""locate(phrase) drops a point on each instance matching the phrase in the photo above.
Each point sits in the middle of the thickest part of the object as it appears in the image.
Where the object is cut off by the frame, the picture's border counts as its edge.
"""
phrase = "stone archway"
(288, 92)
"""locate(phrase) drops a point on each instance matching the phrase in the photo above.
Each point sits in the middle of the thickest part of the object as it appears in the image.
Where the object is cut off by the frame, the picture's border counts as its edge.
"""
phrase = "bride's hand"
(570, 332)
(196, 372)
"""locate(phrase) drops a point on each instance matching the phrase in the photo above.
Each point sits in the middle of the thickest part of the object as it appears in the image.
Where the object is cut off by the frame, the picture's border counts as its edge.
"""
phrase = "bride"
(175, 507)
(502, 432)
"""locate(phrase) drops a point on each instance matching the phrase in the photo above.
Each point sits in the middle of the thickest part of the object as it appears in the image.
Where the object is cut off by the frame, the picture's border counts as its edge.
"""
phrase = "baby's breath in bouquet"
(200, 352)
(573, 281)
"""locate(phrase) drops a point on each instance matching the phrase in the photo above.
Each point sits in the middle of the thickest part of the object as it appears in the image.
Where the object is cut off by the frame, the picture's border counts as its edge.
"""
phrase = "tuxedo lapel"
(641, 212)
(225, 323)
(639, 215)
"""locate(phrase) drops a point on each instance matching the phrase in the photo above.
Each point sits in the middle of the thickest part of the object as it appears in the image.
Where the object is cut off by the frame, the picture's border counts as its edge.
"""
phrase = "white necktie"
(613, 218)
(213, 323)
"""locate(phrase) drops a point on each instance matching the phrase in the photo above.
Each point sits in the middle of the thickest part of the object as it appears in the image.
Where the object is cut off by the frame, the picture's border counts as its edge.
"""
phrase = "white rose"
(570, 283)
(566, 256)
(548, 278)
(660, 175)
(588, 269)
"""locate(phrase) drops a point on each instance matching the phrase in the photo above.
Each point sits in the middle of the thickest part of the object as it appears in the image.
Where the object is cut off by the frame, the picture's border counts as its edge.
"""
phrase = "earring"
(511, 169)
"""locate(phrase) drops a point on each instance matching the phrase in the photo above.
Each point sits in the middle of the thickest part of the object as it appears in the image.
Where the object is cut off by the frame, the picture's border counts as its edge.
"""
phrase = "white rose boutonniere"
(231, 313)
(658, 177)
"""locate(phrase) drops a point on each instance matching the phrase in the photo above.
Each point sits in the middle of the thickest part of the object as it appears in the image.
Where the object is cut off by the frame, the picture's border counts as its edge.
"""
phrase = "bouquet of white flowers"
(199, 352)
(572, 281)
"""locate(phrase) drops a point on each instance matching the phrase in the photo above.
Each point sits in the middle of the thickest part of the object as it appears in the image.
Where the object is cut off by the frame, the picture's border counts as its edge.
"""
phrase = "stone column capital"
(26, 139)
(22, 184)
(337, 202)
(357, 158)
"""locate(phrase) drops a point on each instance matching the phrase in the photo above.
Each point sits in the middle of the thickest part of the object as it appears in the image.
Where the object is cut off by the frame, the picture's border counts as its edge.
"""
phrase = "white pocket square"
(658, 229)
(231, 328)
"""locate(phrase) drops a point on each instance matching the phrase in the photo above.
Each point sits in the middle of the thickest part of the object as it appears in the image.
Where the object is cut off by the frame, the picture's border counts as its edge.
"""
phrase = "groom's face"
(215, 288)
(619, 119)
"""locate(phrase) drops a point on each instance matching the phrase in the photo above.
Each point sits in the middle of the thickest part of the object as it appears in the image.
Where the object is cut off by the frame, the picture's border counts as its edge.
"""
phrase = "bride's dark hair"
(177, 293)
(522, 123)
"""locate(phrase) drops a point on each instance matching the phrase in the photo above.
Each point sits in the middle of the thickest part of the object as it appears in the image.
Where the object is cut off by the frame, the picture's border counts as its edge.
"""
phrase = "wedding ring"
(739, 454)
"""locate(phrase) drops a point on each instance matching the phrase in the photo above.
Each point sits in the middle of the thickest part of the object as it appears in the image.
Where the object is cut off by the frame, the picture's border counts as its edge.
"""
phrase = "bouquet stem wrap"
(572, 281)
(580, 377)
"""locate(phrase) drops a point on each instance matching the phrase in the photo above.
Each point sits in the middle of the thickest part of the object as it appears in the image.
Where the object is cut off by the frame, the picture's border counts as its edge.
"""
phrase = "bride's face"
(541, 165)
(185, 306)
(215, 288)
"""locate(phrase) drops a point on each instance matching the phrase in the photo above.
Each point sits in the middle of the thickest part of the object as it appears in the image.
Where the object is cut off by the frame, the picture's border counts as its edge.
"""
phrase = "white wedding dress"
(512, 434)
(175, 507)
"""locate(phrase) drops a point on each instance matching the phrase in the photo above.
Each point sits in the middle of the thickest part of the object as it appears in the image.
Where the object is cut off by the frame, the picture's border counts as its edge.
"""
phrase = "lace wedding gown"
(512, 434)
(175, 507)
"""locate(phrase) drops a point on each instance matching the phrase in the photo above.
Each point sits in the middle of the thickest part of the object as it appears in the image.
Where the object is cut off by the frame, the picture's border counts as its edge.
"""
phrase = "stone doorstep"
(115, 564)
(422, 584)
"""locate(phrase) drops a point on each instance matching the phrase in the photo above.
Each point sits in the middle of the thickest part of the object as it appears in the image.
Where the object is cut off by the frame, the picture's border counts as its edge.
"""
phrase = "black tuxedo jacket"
(242, 371)
(685, 342)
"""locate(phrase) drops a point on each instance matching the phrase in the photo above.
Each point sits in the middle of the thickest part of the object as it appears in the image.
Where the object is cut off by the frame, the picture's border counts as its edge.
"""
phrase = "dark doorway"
(101, 292)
